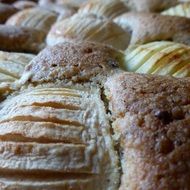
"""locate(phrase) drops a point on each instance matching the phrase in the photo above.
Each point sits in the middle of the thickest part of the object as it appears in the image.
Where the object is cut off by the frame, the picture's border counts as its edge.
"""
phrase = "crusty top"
(152, 124)
(146, 27)
(150, 5)
(76, 62)
(132, 93)
(20, 39)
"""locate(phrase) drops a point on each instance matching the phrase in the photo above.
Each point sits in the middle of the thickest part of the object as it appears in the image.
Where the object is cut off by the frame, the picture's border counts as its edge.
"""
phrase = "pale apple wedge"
(162, 58)
(179, 10)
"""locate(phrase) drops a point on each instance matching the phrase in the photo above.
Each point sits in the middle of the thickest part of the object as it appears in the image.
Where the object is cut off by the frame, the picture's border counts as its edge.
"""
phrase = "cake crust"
(152, 125)
(148, 27)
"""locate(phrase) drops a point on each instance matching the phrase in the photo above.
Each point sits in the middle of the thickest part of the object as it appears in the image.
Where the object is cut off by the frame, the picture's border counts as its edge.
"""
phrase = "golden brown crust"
(34, 18)
(76, 62)
(147, 27)
(20, 39)
(56, 138)
(150, 5)
(6, 11)
(153, 126)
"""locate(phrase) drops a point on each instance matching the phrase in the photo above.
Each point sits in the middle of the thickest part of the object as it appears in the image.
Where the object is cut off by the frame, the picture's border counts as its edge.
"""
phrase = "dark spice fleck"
(165, 116)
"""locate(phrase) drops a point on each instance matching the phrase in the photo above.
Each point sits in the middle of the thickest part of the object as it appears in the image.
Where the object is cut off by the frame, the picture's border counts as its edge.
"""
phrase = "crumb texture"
(148, 27)
(76, 62)
(152, 124)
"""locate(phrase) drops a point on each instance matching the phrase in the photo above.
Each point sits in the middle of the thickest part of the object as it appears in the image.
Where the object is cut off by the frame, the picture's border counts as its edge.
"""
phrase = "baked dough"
(81, 27)
(34, 18)
(64, 128)
(74, 62)
(20, 39)
(148, 27)
(161, 58)
(152, 125)
(56, 138)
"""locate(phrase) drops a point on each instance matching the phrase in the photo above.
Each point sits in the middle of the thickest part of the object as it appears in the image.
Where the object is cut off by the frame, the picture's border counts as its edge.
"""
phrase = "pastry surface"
(21, 39)
(149, 27)
(71, 117)
(74, 62)
(152, 125)
(56, 138)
